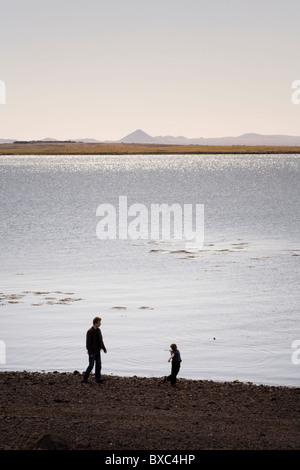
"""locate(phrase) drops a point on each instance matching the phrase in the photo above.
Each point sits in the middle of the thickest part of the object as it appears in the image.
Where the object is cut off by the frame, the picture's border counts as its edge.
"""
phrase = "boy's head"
(96, 320)
(173, 346)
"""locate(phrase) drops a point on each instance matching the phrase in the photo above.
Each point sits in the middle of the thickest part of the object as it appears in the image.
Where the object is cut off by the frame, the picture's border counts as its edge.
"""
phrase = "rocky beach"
(56, 411)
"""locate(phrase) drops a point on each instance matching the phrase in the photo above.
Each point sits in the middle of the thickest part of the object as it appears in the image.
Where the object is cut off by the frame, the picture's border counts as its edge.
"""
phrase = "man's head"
(96, 322)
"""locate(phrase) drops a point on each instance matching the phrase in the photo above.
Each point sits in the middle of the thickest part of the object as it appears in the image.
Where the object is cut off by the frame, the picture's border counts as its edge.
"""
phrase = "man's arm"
(102, 343)
(89, 343)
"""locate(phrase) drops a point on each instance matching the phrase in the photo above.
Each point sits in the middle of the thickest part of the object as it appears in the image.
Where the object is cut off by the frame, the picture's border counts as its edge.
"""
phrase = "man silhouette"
(94, 344)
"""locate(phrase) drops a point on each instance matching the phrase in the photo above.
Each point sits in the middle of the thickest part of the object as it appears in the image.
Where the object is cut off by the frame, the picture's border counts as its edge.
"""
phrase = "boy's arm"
(172, 355)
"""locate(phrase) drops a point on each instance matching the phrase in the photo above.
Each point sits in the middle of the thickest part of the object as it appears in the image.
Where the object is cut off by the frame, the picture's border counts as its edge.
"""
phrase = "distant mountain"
(48, 139)
(252, 139)
(138, 137)
(141, 137)
(87, 140)
(6, 141)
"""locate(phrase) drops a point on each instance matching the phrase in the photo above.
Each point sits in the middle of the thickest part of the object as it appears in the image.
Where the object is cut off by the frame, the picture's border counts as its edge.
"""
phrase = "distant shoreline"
(83, 148)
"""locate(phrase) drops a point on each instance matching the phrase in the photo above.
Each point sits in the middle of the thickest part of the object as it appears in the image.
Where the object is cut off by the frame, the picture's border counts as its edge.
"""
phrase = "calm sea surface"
(232, 307)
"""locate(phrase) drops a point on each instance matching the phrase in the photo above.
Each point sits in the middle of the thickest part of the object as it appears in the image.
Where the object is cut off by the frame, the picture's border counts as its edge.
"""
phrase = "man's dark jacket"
(94, 340)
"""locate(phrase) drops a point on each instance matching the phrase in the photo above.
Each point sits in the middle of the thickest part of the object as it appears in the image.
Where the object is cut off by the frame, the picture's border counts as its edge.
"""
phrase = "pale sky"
(102, 69)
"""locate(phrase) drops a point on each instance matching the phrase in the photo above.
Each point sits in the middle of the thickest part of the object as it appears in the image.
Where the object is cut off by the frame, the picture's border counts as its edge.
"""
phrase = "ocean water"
(231, 305)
